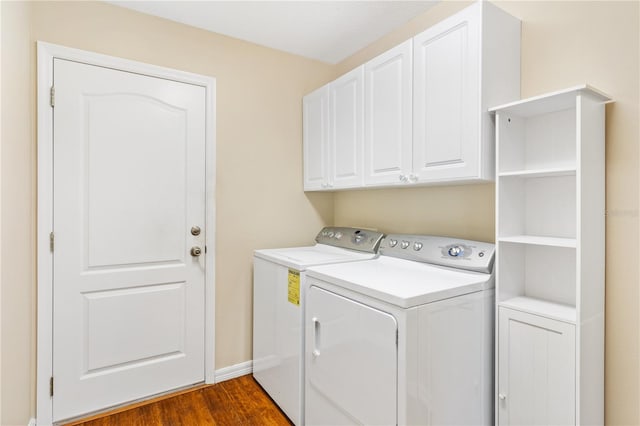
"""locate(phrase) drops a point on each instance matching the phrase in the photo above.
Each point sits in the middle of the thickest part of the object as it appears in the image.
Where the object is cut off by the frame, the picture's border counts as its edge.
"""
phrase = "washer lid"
(300, 258)
(402, 282)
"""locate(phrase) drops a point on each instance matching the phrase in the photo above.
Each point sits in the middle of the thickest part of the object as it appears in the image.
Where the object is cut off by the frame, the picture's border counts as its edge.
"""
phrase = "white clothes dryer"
(403, 339)
(278, 308)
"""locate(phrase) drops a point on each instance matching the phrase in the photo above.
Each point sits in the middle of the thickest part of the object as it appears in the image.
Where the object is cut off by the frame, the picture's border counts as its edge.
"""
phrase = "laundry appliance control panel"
(359, 239)
(445, 251)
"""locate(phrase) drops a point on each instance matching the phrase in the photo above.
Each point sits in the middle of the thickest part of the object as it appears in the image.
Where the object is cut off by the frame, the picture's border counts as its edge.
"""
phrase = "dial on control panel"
(456, 251)
(404, 244)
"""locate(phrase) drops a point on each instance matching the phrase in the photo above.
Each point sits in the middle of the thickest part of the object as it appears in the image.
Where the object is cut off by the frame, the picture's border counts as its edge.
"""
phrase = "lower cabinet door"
(536, 370)
(351, 362)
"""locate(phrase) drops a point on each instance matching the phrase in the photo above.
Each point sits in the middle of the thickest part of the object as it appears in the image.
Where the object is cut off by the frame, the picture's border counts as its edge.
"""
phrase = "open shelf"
(552, 310)
(539, 142)
(533, 173)
(540, 241)
(544, 272)
(544, 206)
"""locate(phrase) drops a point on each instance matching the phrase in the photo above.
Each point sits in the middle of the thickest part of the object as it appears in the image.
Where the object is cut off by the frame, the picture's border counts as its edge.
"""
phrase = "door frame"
(46, 54)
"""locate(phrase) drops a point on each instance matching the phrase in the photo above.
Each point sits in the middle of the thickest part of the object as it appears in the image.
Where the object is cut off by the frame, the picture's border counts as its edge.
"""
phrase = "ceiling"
(328, 31)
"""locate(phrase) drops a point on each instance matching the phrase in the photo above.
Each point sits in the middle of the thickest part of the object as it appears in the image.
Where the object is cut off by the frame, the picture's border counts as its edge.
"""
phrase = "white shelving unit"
(550, 257)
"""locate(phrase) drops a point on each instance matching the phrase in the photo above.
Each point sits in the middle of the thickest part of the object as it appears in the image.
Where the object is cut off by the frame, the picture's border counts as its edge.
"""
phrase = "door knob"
(196, 251)
(195, 230)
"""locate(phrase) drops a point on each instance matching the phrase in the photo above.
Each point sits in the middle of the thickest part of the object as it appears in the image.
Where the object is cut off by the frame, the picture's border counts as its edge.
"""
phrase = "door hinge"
(51, 241)
(51, 386)
(52, 96)
(205, 249)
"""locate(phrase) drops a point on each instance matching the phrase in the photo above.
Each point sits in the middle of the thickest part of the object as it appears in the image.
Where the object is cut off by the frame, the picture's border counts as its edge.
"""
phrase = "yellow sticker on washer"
(294, 287)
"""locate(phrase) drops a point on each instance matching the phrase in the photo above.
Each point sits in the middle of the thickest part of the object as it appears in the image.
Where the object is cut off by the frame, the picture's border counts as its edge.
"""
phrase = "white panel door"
(446, 118)
(315, 139)
(536, 370)
(350, 362)
(129, 183)
(346, 134)
(388, 109)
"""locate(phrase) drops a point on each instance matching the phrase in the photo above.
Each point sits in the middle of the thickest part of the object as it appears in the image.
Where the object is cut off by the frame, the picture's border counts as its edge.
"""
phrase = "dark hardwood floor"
(239, 401)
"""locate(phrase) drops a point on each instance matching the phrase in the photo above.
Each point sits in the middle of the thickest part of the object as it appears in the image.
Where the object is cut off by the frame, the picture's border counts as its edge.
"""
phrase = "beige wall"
(563, 44)
(1, 85)
(17, 226)
(259, 161)
(259, 184)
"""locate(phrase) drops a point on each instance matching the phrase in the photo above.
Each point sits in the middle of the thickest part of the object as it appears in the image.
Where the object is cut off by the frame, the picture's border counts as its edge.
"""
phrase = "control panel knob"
(417, 246)
(358, 238)
(330, 234)
(404, 244)
(393, 243)
(455, 251)
(338, 235)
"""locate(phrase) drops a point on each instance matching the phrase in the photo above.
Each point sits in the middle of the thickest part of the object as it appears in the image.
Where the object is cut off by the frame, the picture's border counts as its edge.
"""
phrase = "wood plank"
(239, 401)
(128, 407)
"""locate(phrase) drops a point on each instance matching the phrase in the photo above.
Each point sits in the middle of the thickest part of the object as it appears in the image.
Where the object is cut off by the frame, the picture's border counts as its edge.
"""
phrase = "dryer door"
(351, 362)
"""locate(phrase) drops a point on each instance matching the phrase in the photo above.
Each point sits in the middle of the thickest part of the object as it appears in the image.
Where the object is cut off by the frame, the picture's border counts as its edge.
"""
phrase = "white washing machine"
(403, 339)
(278, 308)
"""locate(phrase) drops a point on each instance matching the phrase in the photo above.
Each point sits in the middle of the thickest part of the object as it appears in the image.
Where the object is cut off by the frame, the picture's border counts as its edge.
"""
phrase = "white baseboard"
(32, 422)
(233, 371)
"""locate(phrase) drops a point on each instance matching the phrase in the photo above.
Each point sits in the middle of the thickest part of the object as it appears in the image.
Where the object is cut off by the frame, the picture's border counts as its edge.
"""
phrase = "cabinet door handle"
(413, 178)
(316, 337)
(502, 396)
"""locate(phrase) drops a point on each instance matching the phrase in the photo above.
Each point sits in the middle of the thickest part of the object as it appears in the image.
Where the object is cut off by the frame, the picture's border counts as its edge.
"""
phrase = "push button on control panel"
(417, 246)
(404, 244)
(393, 243)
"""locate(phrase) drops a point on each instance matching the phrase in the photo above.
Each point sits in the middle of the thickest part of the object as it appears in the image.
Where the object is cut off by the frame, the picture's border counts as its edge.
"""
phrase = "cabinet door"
(315, 116)
(536, 370)
(346, 130)
(351, 362)
(388, 84)
(446, 114)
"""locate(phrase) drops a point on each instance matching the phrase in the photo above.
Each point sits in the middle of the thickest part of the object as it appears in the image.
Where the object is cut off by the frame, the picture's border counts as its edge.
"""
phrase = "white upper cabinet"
(346, 135)
(315, 117)
(333, 121)
(462, 65)
(425, 107)
(388, 116)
